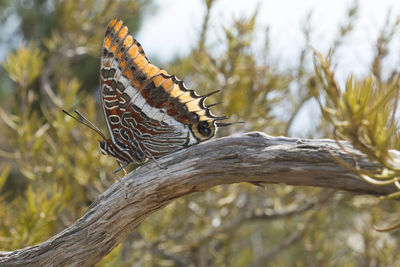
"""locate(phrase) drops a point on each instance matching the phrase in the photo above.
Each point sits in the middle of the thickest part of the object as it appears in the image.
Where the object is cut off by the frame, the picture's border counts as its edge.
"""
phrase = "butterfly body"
(123, 151)
(149, 113)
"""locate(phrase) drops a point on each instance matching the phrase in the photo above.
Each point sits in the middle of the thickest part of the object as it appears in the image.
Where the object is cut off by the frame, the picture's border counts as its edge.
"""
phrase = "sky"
(173, 30)
(174, 25)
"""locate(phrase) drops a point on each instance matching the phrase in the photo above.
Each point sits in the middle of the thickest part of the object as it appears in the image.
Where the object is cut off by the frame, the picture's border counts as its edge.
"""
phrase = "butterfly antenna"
(220, 118)
(82, 119)
(211, 105)
(210, 94)
(225, 124)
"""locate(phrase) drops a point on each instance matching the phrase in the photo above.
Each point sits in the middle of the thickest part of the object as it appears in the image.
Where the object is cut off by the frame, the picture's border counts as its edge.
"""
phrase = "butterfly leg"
(121, 167)
(152, 157)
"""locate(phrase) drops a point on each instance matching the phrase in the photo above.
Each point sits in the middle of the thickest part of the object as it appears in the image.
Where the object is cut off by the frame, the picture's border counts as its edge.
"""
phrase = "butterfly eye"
(103, 146)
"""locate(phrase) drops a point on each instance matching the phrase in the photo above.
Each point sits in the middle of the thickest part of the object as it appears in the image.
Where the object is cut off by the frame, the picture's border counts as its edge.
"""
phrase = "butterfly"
(149, 113)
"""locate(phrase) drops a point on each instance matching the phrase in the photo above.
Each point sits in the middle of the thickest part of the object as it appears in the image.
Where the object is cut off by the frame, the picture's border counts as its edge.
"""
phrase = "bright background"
(51, 167)
(172, 29)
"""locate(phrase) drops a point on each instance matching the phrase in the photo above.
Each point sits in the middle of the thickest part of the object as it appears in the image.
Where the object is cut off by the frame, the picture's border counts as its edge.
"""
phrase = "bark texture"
(251, 157)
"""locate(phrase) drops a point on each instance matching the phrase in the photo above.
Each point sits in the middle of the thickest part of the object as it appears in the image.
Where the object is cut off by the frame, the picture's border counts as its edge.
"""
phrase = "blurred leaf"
(25, 65)
(4, 175)
(364, 114)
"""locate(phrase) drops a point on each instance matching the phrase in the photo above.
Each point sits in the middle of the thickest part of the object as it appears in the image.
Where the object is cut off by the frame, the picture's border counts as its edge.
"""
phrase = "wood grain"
(250, 157)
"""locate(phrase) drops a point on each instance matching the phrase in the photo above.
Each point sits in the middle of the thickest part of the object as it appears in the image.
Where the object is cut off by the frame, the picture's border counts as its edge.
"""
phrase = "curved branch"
(252, 157)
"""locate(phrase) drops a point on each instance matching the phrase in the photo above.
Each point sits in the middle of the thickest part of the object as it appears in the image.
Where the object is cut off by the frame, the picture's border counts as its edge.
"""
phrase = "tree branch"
(251, 157)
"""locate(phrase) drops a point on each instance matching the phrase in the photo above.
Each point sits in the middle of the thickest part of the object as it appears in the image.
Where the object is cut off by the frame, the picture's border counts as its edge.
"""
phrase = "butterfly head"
(103, 146)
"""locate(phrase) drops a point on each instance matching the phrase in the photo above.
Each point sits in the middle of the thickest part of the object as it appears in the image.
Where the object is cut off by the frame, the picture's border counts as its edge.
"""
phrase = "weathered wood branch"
(251, 157)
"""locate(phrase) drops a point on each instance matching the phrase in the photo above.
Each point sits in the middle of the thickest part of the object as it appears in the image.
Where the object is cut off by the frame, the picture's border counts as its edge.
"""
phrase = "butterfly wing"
(145, 104)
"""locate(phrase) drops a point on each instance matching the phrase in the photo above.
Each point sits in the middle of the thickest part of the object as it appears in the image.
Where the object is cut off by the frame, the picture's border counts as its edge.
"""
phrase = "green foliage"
(25, 65)
(4, 176)
(53, 169)
(41, 151)
(30, 219)
(239, 75)
(364, 114)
